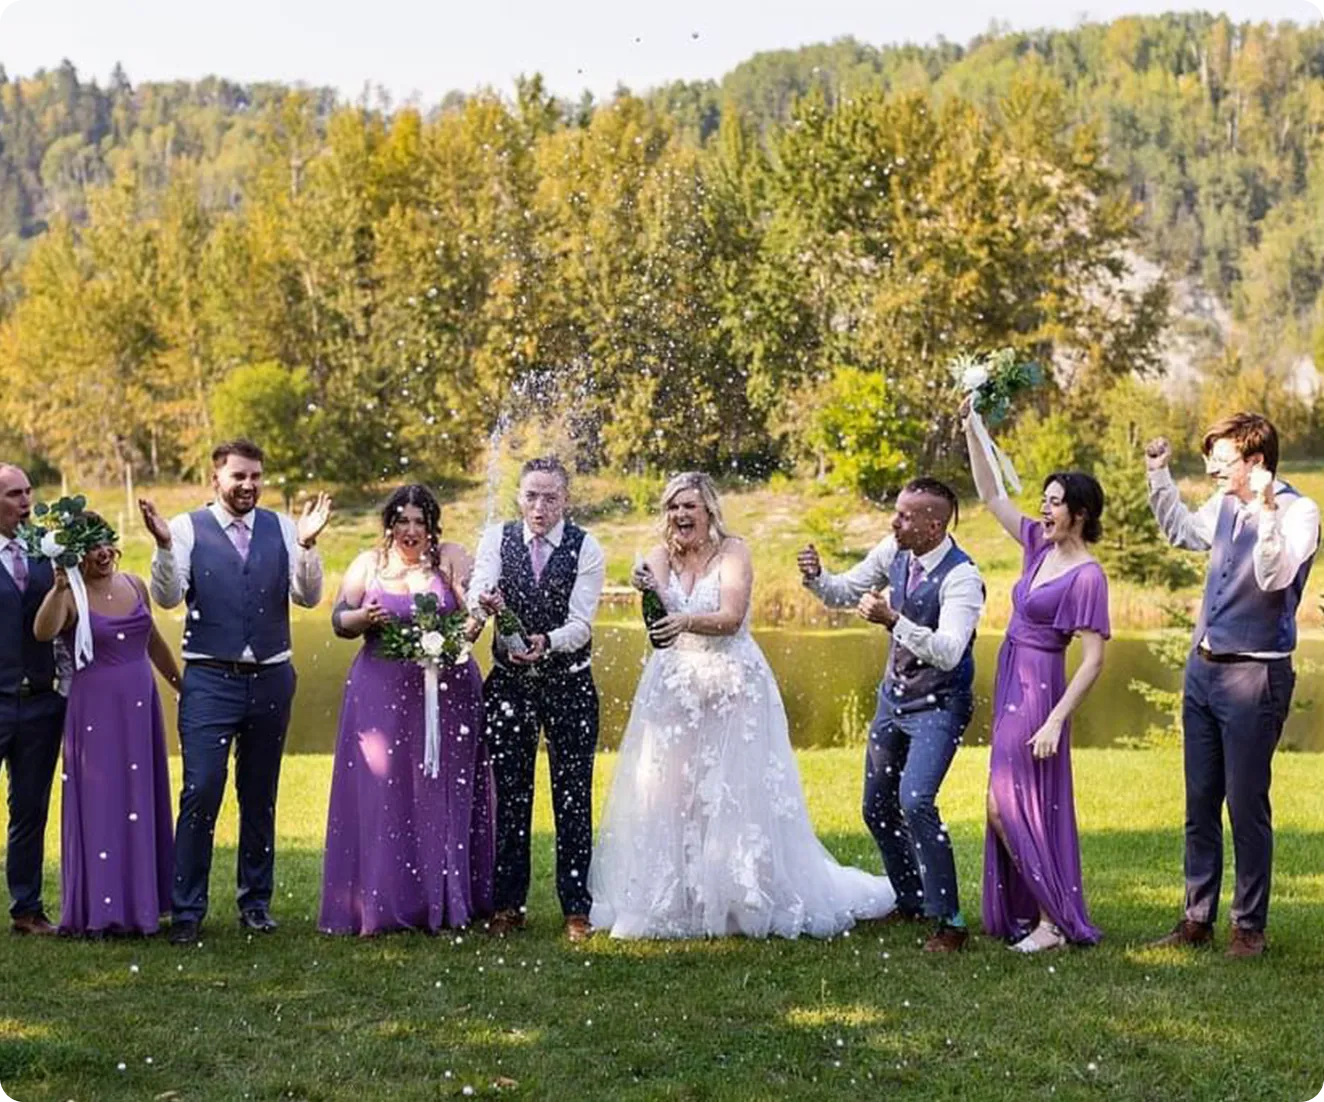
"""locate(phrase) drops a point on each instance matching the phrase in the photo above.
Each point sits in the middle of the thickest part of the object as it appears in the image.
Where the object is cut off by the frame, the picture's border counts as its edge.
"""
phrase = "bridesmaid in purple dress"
(405, 851)
(116, 838)
(1033, 894)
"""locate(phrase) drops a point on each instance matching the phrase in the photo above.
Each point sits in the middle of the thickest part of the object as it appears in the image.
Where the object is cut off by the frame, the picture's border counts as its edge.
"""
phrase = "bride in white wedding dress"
(706, 832)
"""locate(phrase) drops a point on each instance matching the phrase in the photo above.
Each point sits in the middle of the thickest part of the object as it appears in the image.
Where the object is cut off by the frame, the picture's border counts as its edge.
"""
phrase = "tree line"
(766, 273)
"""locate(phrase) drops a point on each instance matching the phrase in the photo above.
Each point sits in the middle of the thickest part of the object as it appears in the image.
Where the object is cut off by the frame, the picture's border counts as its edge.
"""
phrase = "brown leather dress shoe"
(1186, 933)
(506, 922)
(33, 925)
(947, 939)
(577, 928)
(1246, 943)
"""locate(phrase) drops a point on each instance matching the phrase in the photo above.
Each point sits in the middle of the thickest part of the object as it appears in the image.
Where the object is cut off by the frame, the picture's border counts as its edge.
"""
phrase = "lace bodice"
(705, 597)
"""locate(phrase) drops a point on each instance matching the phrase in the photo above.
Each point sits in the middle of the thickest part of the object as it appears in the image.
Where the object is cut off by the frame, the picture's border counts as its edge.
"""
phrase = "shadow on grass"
(305, 1016)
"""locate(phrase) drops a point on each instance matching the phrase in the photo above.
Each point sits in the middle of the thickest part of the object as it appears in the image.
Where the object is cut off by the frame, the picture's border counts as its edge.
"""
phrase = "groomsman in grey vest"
(1261, 536)
(236, 567)
(933, 600)
(33, 680)
(549, 572)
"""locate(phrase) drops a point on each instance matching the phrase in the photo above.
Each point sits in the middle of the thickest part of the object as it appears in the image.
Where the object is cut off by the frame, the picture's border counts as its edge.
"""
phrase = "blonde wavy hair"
(706, 488)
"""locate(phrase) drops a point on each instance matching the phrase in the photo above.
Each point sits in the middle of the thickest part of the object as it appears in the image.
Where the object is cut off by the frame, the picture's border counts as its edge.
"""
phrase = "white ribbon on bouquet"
(431, 722)
(1004, 474)
(83, 628)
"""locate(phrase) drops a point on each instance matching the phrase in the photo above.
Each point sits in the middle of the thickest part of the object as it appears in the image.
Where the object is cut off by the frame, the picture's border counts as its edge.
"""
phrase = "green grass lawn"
(301, 1016)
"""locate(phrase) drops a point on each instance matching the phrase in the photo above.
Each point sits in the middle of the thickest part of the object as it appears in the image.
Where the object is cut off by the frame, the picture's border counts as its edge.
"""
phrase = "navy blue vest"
(21, 656)
(1237, 616)
(235, 603)
(911, 683)
(544, 604)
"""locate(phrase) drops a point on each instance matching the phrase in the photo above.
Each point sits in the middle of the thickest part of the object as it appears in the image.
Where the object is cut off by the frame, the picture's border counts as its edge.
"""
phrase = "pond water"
(828, 680)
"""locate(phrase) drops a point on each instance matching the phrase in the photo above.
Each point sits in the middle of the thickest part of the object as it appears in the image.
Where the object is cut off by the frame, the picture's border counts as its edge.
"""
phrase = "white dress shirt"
(584, 595)
(1285, 537)
(10, 550)
(171, 569)
(960, 596)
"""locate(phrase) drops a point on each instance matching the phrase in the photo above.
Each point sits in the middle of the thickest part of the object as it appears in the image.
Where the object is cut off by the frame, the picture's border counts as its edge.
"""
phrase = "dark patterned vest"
(543, 604)
(21, 656)
(234, 603)
(912, 684)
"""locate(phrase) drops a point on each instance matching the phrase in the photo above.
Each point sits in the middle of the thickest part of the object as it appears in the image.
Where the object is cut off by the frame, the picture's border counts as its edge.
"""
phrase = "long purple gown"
(1034, 798)
(405, 851)
(116, 838)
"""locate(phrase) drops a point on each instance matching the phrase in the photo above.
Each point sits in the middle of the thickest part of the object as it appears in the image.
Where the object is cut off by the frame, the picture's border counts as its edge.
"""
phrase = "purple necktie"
(538, 553)
(916, 574)
(20, 565)
(239, 537)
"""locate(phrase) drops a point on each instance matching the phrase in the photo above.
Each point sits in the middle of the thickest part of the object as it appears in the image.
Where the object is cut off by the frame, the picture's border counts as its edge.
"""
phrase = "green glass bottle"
(511, 632)
(653, 610)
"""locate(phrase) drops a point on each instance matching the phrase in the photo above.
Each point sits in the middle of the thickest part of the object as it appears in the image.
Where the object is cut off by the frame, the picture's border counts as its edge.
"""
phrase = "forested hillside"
(767, 272)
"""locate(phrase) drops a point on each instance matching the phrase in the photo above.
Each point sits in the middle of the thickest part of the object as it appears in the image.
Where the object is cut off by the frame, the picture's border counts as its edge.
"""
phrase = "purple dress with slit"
(1034, 798)
(117, 853)
(405, 851)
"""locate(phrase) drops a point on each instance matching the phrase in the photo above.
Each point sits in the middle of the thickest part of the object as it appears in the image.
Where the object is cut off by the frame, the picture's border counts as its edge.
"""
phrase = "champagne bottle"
(652, 607)
(511, 632)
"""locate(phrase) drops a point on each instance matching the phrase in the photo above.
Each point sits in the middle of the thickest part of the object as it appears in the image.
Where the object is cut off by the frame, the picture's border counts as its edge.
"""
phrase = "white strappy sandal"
(1028, 944)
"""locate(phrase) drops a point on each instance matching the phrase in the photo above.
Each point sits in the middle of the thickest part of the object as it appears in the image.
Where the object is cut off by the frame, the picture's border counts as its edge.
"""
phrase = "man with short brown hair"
(1262, 536)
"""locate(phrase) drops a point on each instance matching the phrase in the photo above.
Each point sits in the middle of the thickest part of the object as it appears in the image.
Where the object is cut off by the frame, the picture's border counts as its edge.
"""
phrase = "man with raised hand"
(237, 567)
(1261, 535)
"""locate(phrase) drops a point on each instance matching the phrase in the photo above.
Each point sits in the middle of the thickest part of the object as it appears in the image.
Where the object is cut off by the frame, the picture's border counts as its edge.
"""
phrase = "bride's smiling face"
(687, 518)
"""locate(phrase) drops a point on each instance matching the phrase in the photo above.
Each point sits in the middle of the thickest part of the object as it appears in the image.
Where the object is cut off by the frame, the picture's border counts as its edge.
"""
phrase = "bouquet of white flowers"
(993, 379)
(433, 639)
(63, 532)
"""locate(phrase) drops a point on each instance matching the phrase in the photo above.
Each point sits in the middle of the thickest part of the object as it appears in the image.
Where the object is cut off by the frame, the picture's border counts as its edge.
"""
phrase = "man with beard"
(31, 705)
(237, 567)
(925, 700)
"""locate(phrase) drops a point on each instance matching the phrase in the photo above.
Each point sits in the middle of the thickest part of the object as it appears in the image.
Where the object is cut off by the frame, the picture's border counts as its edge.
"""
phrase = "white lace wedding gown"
(706, 832)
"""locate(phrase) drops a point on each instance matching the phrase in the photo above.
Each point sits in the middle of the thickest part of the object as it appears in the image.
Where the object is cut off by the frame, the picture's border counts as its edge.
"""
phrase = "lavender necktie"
(239, 537)
(20, 565)
(916, 574)
(538, 553)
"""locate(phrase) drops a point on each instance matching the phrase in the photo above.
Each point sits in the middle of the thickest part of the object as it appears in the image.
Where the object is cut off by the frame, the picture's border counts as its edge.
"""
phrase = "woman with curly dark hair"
(406, 850)
(1033, 894)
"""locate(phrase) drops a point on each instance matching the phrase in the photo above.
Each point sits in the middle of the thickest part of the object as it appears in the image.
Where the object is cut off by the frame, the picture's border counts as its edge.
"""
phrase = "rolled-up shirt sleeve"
(584, 597)
(1193, 531)
(1287, 536)
(170, 568)
(961, 602)
(486, 574)
(869, 574)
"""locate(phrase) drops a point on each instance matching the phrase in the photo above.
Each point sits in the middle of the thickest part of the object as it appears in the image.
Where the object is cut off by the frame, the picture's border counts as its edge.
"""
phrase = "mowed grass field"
(298, 1015)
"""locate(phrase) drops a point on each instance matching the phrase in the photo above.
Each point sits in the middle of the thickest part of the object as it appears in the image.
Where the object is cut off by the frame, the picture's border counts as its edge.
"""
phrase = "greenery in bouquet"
(429, 636)
(64, 531)
(994, 379)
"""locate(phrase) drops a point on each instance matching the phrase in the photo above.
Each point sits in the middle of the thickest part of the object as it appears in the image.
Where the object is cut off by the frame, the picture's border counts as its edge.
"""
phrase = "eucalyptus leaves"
(994, 379)
(64, 531)
(430, 637)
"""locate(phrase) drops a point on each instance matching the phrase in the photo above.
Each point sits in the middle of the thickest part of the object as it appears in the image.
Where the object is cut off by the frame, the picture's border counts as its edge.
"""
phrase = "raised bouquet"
(993, 379)
(63, 532)
(433, 639)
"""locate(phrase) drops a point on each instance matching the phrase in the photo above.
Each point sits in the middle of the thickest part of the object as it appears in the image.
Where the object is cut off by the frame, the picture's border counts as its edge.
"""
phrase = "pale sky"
(428, 47)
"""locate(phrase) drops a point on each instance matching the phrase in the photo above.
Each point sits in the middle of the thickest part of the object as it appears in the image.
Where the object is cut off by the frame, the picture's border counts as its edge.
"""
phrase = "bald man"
(32, 681)
(920, 586)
